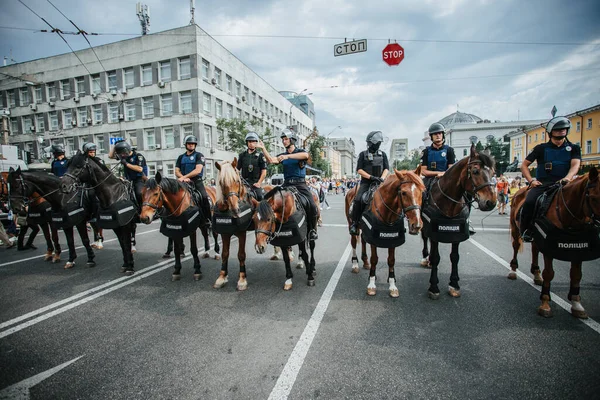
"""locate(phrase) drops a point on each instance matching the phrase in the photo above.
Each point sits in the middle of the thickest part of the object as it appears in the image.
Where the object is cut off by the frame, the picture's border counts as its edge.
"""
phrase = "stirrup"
(313, 235)
(527, 236)
(354, 229)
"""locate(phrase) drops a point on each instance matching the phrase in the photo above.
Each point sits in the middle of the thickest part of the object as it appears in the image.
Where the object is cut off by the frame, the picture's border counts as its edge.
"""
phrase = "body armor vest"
(129, 173)
(373, 163)
(437, 159)
(188, 164)
(556, 163)
(249, 165)
(59, 167)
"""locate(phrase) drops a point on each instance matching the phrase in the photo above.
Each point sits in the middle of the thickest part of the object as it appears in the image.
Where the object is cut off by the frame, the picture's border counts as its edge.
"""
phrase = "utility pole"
(192, 8)
(143, 13)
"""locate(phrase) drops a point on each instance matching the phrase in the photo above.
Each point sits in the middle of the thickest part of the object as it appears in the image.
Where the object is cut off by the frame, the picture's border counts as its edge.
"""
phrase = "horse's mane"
(486, 159)
(41, 175)
(78, 161)
(227, 177)
(264, 211)
(168, 185)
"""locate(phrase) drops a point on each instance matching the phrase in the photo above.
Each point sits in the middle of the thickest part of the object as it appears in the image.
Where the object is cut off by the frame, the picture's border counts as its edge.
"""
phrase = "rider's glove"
(377, 179)
(123, 161)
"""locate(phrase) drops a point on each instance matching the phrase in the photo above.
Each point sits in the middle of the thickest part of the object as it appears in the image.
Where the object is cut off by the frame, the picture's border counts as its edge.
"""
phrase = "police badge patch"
(443, 154)
(250, 168)
(568, 148)
(202, 158)
(192, 158)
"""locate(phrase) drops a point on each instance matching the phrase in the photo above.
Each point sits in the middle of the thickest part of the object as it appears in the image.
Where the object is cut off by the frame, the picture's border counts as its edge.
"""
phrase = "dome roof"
(459, 118)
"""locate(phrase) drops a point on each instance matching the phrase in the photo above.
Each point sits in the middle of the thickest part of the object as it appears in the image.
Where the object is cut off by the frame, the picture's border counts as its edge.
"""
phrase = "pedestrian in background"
(502, 192)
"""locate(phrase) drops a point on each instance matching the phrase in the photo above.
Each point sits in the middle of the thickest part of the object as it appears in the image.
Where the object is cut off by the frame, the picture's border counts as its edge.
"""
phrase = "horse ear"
(11, 170)
(158, 177)
(593, 174)
(473, 151)
(418, 170)
(218, 164)
(234, 163)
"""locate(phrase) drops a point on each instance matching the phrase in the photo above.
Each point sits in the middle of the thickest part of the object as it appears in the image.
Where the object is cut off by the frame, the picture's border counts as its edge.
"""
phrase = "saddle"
(300, 198)
(543, 202)
(367, 196)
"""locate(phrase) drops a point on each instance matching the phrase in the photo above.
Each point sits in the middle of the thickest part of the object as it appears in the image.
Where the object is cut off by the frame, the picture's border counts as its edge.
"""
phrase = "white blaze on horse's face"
(258, 216)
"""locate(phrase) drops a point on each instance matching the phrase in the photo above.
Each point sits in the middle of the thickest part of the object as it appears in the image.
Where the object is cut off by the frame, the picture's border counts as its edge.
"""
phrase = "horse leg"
(242, 282)
(371, 288)
(49, 246)
(71, 244)
(119, 233)
(57, 248)
(288, 270)
(98, 238)
(194, 251)
(577, 309)
(133, 242)
(313, 264)
(548, 274)
(394, 292)
(222, 279)
(276, 253)
(206, 253)
(83, 234)
(425, 261)
(453, 287)
(353, 242)
(515, 237)
(217, 249)
(364, 256)
(434, 259)
(177, 246)
(303, 254)
(535, 267)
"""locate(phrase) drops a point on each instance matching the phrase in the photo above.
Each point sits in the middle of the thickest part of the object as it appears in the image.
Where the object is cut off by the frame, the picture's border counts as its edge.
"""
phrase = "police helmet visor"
(375, 137)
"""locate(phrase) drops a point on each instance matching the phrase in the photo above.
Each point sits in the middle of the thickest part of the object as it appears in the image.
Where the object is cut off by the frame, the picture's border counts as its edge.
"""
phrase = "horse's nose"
(145, 219)
(490, 204)
(64, 188)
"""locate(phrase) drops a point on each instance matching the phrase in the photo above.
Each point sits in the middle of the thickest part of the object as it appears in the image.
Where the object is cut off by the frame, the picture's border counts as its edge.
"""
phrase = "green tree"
(315, 147)
(500, 151)
(479, 147)
(409, 163)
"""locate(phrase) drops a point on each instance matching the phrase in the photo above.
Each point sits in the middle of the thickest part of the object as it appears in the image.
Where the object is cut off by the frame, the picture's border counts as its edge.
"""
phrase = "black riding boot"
(312, 233)
(206, 211)
(356, 213)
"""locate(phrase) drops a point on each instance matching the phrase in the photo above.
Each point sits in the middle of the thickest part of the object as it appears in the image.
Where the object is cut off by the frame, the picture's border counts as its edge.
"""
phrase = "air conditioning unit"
(121, 117)
(51, 104)
(89, 121)
(161, 84)
(213, 81)
(124, 91)
(113, 92)
(212, 150)
(33, 107)
(76, 99)
(280, 120)
(73, 122)
(243, 98)
(157, 147)
(238, 99)
(32, 128)
(94, 95)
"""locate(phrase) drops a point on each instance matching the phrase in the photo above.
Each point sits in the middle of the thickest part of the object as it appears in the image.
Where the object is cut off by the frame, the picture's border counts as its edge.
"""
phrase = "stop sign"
(393, 54)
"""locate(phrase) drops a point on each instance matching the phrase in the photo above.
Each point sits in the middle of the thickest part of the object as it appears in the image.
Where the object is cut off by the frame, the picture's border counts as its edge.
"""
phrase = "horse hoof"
(454, 292)
(355, 269)
(206, 255)
(537, 279)
(287, 286)
(433, 296)
(546, 313)
(69, 265)
(217, 257)
(197, 277)
(300, 265)
(123, 269)
(56, 259)
(242, 286)
(175, 277)
(371, 291)
(394, 293)
(310, 282)
(274, 257)
(91, 264)
(425, 263)
(581, 314)
(129, 272)
(512, 275)
(48, 256)
(367, 266)
(220, 283)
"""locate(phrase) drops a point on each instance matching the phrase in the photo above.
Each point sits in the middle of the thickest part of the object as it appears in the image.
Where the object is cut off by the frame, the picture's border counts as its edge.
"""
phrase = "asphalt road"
(90, 333)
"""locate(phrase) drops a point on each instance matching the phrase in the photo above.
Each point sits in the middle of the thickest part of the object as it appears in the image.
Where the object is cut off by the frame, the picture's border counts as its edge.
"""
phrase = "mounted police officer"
(89, 149)
(133, 166)
(373, 167)
(253, 166)
(294, 174)
(59, 164)
(437, 158)
(190, 169)
(557, 160)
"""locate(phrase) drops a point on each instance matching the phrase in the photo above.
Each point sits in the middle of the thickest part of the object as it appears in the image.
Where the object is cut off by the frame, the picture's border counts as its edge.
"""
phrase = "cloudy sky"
(455, 57)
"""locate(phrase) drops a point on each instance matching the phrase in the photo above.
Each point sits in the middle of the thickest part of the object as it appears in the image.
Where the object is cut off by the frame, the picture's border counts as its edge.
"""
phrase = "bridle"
(161, 201)
(592, 219)
(273, 232)
(403, 210)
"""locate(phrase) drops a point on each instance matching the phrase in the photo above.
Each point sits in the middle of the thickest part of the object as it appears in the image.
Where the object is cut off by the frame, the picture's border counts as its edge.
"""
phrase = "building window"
(53, 117)
(185, 102)
(169, 139)
(588, 147)
(205, 67)
(529, 139)
(208, 173)
(166, 105)
(543, 136)
(206, 103)
(253, 99)
(219, 108)
(128, 78)
(220, 139)
(229, 114)
(150, 139)
(207, 136)
(112, 80)
(187, 130)
(146, 75)
(184, 68)
(589, 123)
(24, 98)
(82, 116)
(65, 89)
(578, 126)
(151, 169)
(170, 170)
(598, 146)
(165, 71)
(238, 113)
(113, 112)
(131, 136)
(38, 94)
(96, 87)
(536, 137)
(99, 140)
(67, 119)
(260, 104)
(228, 83)
(130, 110)
(80, 86)
(247, 94)
(27, 124)
(97, 110)
(217, 77)
(147, 107)
(11, 99)
(14, 126)
(41, 124)
(238, 89)
(70, 146)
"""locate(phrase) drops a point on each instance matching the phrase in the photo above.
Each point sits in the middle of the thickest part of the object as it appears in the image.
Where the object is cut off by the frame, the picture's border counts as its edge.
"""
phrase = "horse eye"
(476, 172)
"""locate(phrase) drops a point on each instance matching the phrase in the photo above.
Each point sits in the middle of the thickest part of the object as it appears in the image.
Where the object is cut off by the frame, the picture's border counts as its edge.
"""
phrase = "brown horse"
(398, 196)
(279, 205)
(575, 207)
(467, 181)
(230, 193)
(159, 192)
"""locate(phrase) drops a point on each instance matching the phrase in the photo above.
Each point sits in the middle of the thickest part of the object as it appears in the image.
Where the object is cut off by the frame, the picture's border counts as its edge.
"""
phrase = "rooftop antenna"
(143, 13)
(192, 8)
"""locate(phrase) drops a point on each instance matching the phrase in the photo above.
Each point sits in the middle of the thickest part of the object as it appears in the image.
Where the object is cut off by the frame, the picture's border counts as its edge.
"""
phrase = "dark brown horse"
(399, 196)
(467, 181)
(162, 192)
(576, 206)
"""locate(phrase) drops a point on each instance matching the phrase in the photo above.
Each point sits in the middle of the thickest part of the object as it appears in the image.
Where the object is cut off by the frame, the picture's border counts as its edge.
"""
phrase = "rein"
(272, 234)
(161, 197)
(403, 209)
(592, 219)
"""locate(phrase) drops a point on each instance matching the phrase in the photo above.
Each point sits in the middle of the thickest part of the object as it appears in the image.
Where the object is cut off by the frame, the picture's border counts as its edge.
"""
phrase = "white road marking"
(555, 298)
(21, 390)
(288, 376)
(336, 225)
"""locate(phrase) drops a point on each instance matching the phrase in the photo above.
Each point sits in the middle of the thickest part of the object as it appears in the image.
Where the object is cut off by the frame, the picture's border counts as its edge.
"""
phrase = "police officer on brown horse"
(437, 158)
(252, 165)
(373, 166)
(189, 168)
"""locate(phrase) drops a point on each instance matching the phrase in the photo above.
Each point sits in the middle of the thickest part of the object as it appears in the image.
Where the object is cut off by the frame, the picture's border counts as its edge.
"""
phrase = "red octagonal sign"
(393, 54)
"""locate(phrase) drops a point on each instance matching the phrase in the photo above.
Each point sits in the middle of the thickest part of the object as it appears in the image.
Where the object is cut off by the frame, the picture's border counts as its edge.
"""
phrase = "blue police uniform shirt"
(553, 162)
(438, 159)
(293, 169)
(59, 167)
(135, 159)
(187, 163)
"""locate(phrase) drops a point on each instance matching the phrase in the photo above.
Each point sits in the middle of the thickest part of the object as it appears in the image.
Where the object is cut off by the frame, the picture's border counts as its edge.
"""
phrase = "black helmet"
(58, 149)
(190, 139)
(89, 146)
(252, 136)
(288, 133)
(436, 127)
(122, 147)
(375, 137)
(558, 123)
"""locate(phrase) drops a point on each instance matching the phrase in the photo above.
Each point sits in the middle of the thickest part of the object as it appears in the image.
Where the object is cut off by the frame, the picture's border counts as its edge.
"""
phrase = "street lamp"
(292, 105)
(327, 137)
